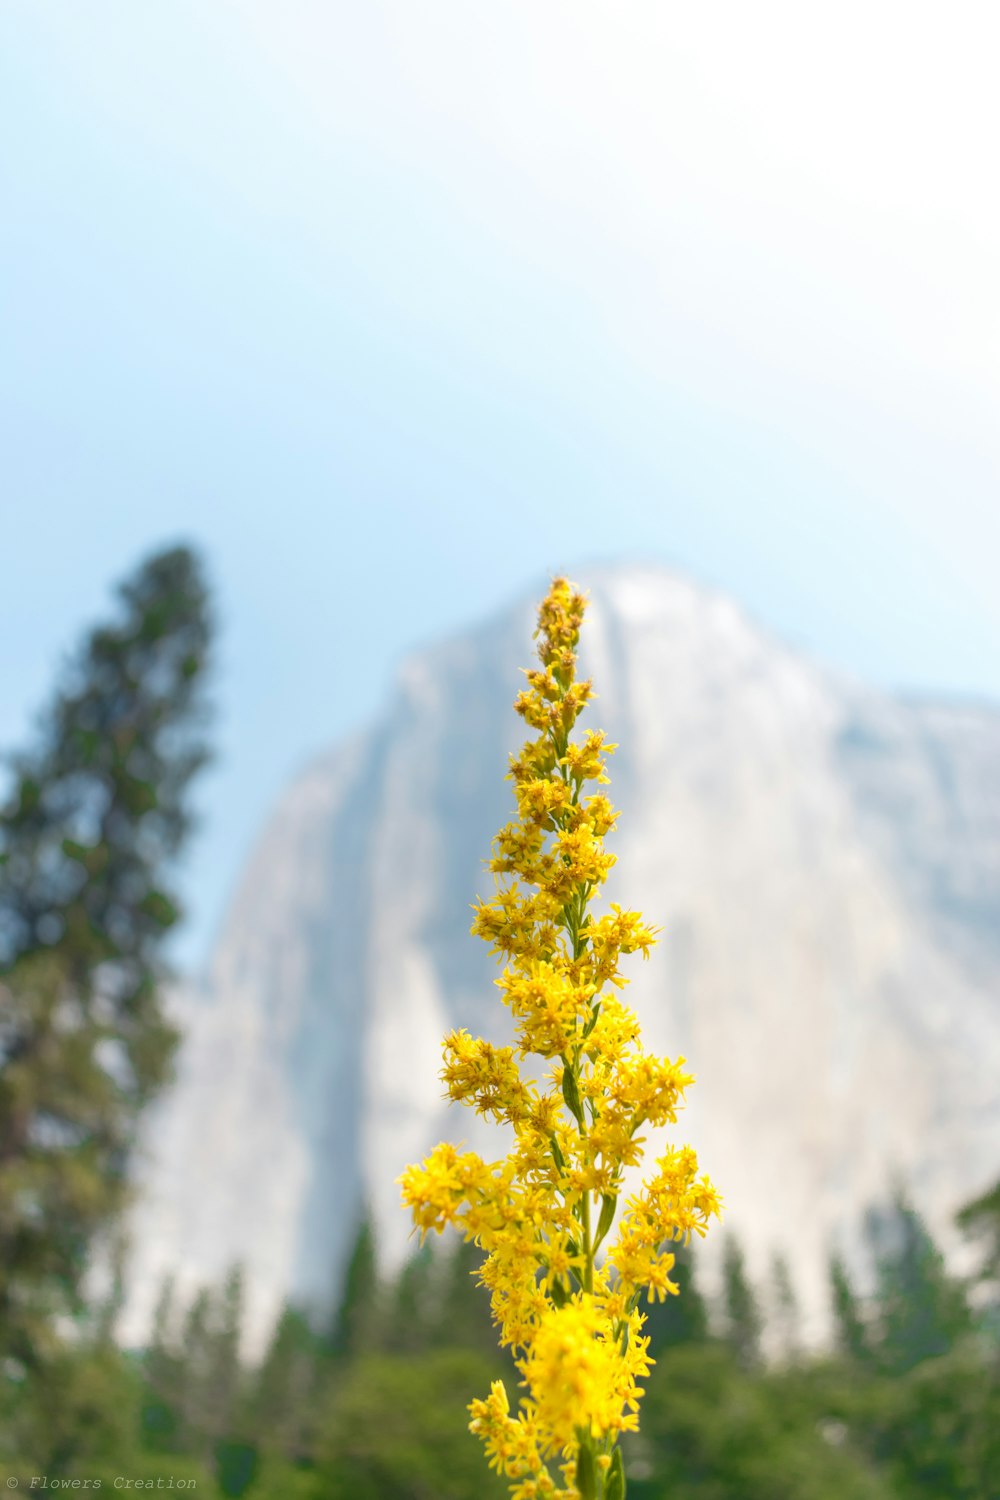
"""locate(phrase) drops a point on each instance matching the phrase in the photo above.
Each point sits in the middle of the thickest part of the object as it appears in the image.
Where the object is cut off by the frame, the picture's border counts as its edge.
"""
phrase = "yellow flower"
(485, 1076)
(542, 1213)
(578, 1376)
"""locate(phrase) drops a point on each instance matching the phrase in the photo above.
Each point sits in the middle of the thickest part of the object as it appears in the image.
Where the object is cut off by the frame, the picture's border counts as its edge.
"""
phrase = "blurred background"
(330, 333)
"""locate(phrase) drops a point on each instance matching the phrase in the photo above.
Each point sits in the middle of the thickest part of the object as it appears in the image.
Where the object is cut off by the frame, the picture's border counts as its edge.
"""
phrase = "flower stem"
(588, 1245)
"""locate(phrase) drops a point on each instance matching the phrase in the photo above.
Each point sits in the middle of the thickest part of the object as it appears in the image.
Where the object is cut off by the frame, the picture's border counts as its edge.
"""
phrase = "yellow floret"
(541, 1214)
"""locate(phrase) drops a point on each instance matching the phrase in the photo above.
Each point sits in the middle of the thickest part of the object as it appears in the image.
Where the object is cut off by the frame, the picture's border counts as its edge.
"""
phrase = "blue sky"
(396, 308)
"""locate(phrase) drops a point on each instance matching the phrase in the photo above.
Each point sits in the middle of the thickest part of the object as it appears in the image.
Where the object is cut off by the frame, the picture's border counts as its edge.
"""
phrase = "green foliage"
(784, 1311)
(714, 1431)
(980, 1220)
(744, 1320)
(677, 1320)
(235, 1467)
(164, 1381)
(223, 1412)
(920, 1310)
(919, 1391)
(196, 1387)
(283, 1399)
(391, 1432)
(357, 1311)
(850, 1329)
(98, 811)
(311, 1423)
(277, 1479)
(939, 1428)
(85, 1415)
(459, 1316)
(100, 805)
(411, 1318)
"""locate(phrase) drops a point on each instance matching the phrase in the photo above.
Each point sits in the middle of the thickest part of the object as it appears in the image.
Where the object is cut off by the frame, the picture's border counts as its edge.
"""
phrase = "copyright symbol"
(12, 1483)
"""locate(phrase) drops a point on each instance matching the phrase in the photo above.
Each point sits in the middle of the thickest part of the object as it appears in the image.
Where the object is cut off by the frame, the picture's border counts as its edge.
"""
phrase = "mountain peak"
(820, 857)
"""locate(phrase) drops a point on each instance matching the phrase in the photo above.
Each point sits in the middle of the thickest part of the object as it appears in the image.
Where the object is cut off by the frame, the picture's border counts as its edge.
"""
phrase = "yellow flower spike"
(542, 1213)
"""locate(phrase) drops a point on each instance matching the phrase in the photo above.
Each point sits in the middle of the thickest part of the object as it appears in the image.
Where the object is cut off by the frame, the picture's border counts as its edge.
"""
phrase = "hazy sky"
(394, 308)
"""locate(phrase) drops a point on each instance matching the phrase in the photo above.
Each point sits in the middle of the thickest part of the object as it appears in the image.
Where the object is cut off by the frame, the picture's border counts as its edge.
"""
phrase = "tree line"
(363, 1403)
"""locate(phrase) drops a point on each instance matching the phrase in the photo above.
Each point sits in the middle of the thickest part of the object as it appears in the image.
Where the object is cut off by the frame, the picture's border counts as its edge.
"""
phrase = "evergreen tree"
(713, 1431)
(677, 1320)
(196, 1363)
(355, 1318)
(921, 1311)
(285, 1389)
(210, 1385)
(106, 1310)
(164, 1376)
(410, 1321)
(222, 1404)
(461, 1304)
(743, 1320)
(850, 1328)
(98, 811)
(390, 1432)
(785, 1309)
(980, 1220)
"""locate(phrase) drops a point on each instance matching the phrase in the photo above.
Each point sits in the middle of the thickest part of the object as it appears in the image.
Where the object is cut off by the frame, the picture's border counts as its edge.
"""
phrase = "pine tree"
(462, 1318)
(785, 1309)
(209, 1376)
(222, 1404)
(980, 1220)
(850, 1328)
(98, 811)
(682, 1319)
(164, 1379)
(355, 1316)
(921, 1311)
(106, 1309)
(410, 1315)
(226, 1417)
(195, 1366)
(286, 1388)
(743, 1320)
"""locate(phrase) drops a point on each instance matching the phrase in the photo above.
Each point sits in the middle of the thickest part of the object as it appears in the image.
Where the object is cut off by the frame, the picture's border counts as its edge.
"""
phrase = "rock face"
(824, 862)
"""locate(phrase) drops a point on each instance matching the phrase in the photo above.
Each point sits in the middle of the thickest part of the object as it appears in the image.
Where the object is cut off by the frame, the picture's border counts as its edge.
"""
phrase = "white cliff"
(824, 862)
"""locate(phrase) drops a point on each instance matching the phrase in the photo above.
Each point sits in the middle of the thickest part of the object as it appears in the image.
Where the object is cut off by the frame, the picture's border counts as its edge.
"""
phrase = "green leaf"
(586, 1474)
(571, 1093)
(559, 1294)
(608, 1205)
(614, 1486)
